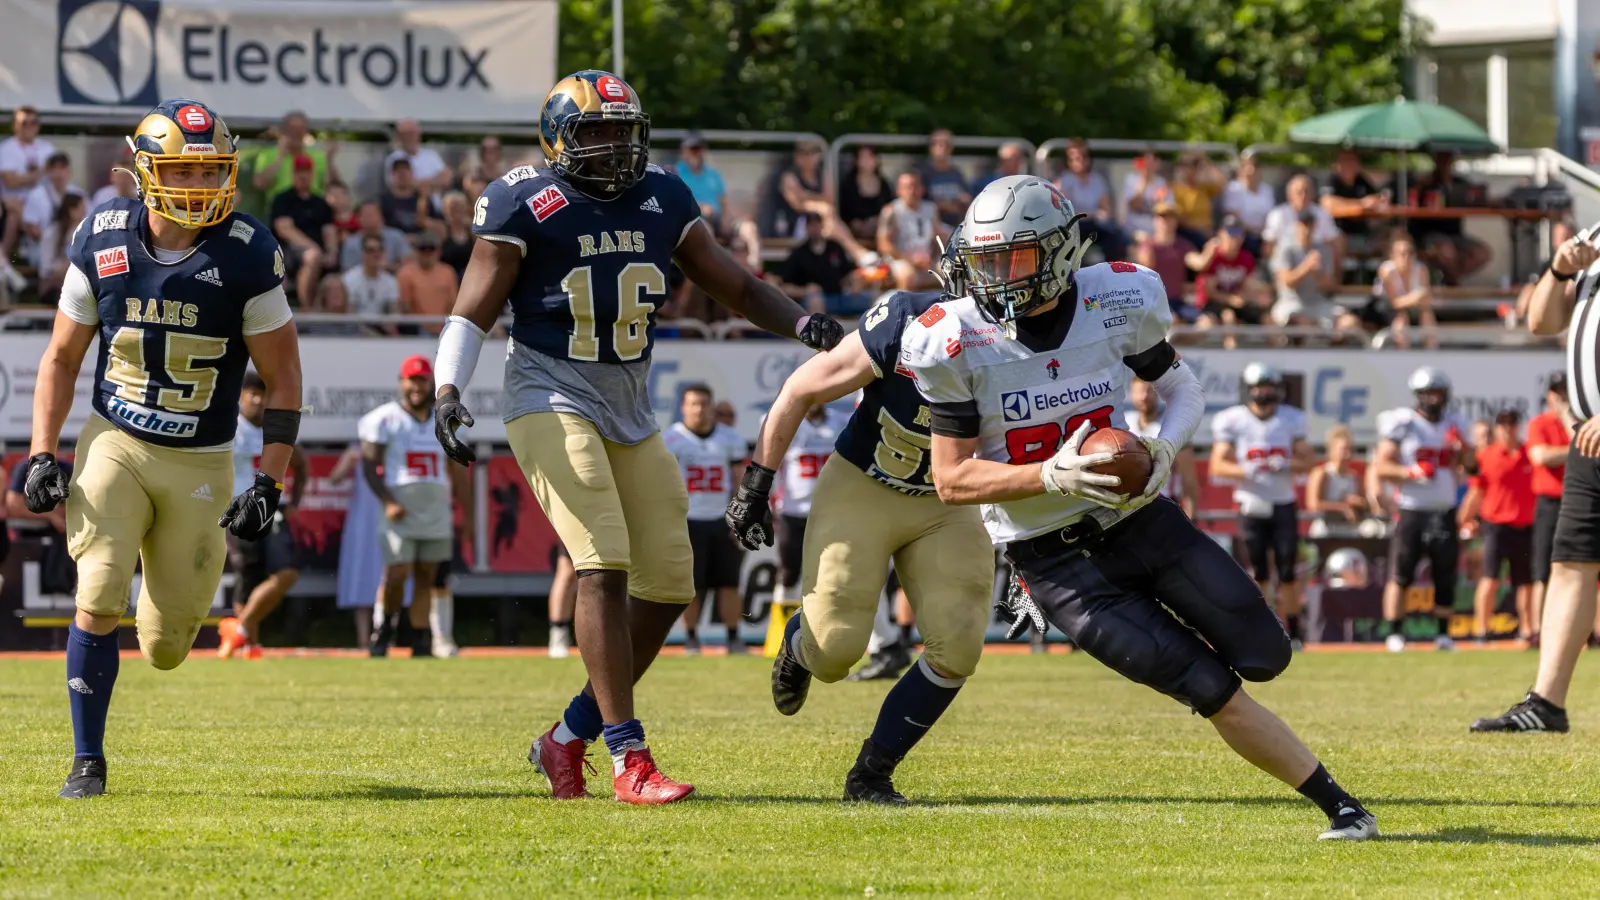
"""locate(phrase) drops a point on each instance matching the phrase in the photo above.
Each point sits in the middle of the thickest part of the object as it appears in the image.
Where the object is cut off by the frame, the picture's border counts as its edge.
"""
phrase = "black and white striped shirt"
(1583, 347)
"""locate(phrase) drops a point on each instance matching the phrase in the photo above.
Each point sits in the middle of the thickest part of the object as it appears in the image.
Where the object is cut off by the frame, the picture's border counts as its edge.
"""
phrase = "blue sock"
(92, 663)
(623, 737)
(582, 718)
(916, 701)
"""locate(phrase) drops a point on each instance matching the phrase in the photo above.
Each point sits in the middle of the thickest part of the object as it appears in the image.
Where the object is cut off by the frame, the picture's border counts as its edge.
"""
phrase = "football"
(1130, 460)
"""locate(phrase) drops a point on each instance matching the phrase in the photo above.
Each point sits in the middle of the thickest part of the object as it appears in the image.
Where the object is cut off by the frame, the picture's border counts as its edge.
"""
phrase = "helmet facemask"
(604, 169)
(191, 207)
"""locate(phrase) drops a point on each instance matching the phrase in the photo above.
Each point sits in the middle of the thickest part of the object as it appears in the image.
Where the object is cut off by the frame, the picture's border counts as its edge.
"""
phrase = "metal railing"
(958, 143)
(1119, 147)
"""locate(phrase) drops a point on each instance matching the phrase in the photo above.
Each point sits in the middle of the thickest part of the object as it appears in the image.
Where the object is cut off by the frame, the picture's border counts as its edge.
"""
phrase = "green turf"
(1049, 777)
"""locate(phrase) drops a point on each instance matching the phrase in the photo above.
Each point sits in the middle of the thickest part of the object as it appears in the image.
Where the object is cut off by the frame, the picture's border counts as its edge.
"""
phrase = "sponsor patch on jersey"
(952, 348)
(1124, 268)
(520, 173)
(1017, 406)
(111, 220)
(242, 231)
(1125, 298)
(1114, 321)
(1053, 368)
(111, 261)
(1014, 406)
(199, 148)
(154, 421)
(546, 203)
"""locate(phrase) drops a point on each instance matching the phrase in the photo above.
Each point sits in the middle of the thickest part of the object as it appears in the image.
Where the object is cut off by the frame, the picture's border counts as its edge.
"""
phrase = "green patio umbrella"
(1401, 125)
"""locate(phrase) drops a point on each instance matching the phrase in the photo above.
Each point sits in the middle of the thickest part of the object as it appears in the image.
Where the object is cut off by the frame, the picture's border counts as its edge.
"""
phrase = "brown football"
(1131, 461)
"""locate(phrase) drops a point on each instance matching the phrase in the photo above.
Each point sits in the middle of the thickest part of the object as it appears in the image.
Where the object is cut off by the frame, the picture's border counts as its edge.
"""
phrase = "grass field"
(1049, 777)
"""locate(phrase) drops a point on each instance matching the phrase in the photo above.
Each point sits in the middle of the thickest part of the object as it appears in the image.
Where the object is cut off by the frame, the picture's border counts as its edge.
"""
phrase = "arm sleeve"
(267, 311)
(501, 216)
(77, 298)
(1181, 391)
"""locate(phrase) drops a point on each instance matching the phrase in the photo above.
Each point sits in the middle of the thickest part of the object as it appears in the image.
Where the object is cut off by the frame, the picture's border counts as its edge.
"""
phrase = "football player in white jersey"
(1423, 450)
(1261, 446)
(266, 569)
(1130, 579)
(797, 480)
(408, 472)
(1144, 419)
(711, 456)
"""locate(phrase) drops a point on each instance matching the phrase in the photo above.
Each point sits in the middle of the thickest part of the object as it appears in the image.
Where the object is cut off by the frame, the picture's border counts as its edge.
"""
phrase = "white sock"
(442, 618)
(564, 734)
(619, 757)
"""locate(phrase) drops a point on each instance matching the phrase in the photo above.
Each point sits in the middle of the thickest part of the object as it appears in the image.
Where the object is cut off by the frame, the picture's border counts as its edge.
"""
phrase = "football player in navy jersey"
(874, 501)
(582, 251)
(183, 293)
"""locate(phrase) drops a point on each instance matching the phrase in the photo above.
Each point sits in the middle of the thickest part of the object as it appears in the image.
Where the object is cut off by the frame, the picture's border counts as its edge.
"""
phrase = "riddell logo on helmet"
(989, 238)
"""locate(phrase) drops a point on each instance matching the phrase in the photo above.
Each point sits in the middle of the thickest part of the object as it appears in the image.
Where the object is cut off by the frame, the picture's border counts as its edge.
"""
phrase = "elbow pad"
(459, 345)
(1185, 403)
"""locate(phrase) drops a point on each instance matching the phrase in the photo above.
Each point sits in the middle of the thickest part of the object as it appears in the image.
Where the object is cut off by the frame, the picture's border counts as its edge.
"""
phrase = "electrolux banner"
(435, 60)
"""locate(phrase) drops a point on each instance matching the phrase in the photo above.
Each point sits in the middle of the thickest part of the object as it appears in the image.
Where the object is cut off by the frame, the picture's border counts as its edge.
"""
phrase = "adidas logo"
(78, 685)
(650, 205)
(211, 276)
(203, 492)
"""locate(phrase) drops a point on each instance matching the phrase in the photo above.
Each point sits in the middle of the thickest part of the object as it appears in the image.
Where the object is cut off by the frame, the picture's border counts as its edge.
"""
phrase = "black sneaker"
(422, 644)
(1534, 713)
(888, 662)
(790, 680)
(382, 637)
(1351, 824)
(871, 779)
(87, 778)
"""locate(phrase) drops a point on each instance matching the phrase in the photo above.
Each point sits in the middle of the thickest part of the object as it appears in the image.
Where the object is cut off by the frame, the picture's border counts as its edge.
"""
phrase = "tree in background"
(1239, 70)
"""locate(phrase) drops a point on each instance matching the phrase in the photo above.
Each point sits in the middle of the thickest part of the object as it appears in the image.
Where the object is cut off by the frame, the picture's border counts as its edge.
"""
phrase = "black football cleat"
(790, 680)
(382, 637)
(87, 778)
(1534, 713)
(422, 643)
(871, 779)
(887, 663)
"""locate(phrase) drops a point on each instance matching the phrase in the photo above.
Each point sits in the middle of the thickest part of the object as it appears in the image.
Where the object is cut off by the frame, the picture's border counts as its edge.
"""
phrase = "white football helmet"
(1018, 246)
(1346, 569)
(1261, 383)
(1427, 378)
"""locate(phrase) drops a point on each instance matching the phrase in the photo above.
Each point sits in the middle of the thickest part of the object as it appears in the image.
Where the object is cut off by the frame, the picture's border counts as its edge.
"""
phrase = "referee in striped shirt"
(1566, 295)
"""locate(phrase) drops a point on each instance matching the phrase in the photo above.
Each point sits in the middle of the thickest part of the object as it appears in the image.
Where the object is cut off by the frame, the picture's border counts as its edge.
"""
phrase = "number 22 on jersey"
(630, 332)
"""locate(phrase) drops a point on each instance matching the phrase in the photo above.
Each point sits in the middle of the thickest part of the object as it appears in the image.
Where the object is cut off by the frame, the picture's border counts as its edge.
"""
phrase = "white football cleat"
(445, 647)
(560, 642)
(1396, 643)
(1364, 828)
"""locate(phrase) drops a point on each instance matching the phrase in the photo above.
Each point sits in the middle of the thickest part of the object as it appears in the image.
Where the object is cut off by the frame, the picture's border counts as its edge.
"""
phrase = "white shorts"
(398, 549)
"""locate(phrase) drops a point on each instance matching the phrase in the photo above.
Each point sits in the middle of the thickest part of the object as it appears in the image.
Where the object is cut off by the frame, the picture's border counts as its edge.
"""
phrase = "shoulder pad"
(652, 167)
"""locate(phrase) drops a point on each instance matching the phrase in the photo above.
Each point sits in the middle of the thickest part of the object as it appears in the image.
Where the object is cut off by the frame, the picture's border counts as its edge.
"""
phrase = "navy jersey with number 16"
(593, 271)
(888, 435)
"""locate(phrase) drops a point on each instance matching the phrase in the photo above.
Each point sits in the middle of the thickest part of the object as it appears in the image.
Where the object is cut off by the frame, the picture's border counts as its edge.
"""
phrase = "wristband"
(280, 426)
(758, 478)
(1558, 276)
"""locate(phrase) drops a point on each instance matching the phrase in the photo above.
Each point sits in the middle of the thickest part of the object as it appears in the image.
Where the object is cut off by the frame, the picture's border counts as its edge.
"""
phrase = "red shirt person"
(1501, 496)
(1549, 436)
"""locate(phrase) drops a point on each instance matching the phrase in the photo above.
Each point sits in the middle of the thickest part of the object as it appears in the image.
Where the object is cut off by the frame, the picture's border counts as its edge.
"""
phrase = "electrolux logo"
(213, 53)
(106, 52)
(1014, 406)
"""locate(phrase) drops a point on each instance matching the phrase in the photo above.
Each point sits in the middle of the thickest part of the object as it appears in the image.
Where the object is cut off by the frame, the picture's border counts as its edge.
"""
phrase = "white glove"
(1162, 453)
(1068, 473)
(1275, 463)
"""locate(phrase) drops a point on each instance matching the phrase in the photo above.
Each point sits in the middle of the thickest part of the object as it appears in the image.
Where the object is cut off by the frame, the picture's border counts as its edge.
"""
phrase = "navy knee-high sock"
(915, 702)
(92, 663)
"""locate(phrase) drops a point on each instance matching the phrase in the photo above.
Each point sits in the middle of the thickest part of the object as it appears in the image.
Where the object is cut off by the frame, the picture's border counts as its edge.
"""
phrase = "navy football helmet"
(594, 133)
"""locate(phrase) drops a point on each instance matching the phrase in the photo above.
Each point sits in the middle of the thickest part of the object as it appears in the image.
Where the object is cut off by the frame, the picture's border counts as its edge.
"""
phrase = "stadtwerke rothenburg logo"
(106, 52)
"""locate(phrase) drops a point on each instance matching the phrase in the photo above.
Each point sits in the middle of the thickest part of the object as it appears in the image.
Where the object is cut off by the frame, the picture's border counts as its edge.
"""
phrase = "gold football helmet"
(185, 163)
(586, 100)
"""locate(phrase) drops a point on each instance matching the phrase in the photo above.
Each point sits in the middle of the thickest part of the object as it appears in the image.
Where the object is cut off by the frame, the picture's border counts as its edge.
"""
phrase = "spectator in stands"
(474, 181)
(1348, 195)
(395, 246)
(303, 224)
(1333, 490)
(864, 193)
(704, 181)
(344, 216)
(1500, 499)
(119, 183)
(1197, 184)
(1285, 219)
(427, 285)
(50, 254)
(1302, 267)
(942, 182)
(820, 271)
(455, 246)
(1010, 159)
(431, 174)
(1091, 195)
(802, 187)
(334, 299)
(1142, 189)
(1227, 288)
(1251, 201)
(1164, 251)
(22, 157)
(1444, 244)
(490, 158)
(274, 165)
(906, 229)
(1401, 296)
(45, 198)
(404, 207)
(371, 289)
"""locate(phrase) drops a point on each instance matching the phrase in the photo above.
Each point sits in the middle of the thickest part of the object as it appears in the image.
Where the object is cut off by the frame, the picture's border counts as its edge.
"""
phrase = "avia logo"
(111, 261)
(545, 203)
(1014, 406)
(1054, 368)
(106, 52)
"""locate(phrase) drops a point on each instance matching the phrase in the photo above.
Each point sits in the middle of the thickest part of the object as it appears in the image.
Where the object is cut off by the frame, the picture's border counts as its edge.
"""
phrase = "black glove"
(45, 485)
(748, 514)
(448, 415)
(1018, 610)
(250, 514)
(821, 332)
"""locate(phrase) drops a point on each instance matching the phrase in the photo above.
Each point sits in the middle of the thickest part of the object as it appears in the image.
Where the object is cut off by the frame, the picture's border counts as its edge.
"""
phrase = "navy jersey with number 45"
(171, 354)
(888, 435)
(593, 271)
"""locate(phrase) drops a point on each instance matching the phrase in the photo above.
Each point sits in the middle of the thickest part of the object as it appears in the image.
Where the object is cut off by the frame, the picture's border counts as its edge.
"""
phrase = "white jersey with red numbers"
(246, 455)
(1173, 489)
(413, 469)
(1255, 441)
(1437, 444)
(812, 445)
(707, 464)
(1028, 402)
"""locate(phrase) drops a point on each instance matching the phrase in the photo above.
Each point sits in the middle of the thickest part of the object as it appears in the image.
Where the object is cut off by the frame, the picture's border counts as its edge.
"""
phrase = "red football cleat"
(561, 764)
(232, 637)
(642, 784)
(251, 651)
